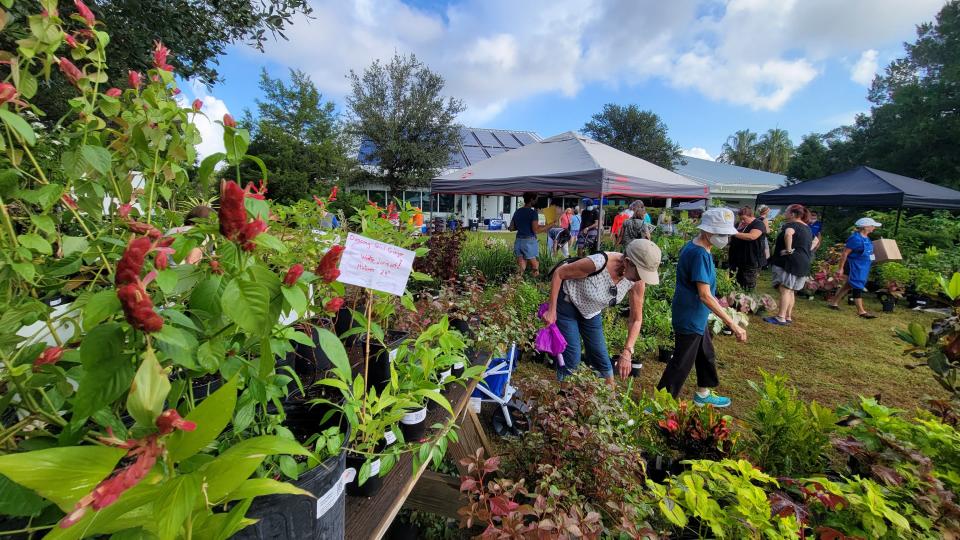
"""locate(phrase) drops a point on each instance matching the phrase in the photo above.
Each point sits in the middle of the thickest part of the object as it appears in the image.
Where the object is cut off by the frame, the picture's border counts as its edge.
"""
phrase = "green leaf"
(36, 243)
(16, 500)
(420, 276)
(19, 125)
(205, 298)
(62, 475)
(258, 487)
(167, 280)
(289, 467)
(333, 348)
(223, 526)
(210, 354)
(270, 242)
(211, 417)
(247, 303)
(25, 270)
(407, 301)
(295, 297)
(99, 308)
(175, 504)
(73, 244)
(233, 467)
(207, 166)
(149, 391)
(44, 223)
(97, 157)
(107, 371)
(259, 162)
(673, 511)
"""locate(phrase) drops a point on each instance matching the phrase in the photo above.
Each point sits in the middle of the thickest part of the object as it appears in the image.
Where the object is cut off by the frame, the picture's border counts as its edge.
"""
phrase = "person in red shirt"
(617, 226)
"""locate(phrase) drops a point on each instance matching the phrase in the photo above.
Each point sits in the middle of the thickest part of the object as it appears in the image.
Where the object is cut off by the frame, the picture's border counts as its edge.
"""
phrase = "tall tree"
(295, 133)
(820, 155)
(636, 132)
(399, 109)
(740, 149)
(197, 32)
(774, 151)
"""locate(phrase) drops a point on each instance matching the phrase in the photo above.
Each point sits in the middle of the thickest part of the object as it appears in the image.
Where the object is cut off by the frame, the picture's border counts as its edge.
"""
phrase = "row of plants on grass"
(171, 378)
(597, 465)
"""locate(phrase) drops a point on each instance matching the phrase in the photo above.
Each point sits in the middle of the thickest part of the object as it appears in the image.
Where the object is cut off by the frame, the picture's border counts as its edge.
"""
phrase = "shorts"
(526, 248)
(587, 239)
(788, 280)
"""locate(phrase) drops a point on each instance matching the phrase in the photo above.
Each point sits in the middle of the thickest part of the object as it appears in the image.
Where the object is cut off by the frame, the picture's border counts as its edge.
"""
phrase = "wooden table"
(369, 518)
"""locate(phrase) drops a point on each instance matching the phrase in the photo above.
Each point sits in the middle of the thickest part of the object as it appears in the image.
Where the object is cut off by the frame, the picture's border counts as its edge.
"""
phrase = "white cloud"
(697, 152)
(754, 53)
(866, 67)
(211, 133)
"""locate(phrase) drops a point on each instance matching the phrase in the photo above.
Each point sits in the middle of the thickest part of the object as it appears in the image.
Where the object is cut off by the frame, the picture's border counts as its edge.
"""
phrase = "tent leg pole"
(896, 228)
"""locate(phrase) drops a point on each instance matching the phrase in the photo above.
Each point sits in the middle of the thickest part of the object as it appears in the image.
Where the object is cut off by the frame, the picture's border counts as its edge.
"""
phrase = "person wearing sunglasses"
(693, 300)
(579, 292)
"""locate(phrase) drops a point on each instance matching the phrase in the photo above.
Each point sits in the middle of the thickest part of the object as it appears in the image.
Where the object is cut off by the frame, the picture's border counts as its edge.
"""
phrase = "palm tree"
(740, 149)
(774, 150)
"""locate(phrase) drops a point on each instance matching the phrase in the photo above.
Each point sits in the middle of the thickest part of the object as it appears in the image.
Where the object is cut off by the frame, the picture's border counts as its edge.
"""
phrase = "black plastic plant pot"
(310, 362)
(344, 322)
(665, 355)
(659, 467)
(373, 484)
(889, 306)
(414, 425)
(458, 369)
(635, 368)
(378, 370)
(444, 375)
(206, 385)
(461, 326)
(299, 516)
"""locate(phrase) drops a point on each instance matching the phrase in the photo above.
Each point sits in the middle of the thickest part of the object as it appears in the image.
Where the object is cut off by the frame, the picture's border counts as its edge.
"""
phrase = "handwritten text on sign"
(375, 265)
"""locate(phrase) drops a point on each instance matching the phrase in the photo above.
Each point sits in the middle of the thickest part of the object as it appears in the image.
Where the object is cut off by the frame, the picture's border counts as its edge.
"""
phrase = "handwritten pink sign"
(376, 265)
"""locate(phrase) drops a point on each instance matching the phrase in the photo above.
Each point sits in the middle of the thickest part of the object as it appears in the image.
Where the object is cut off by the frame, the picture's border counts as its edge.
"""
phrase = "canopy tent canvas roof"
(865, 186)
(569, 164)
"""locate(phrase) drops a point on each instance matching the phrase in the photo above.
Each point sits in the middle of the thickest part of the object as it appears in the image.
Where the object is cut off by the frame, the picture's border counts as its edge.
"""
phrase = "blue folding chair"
(495, 386)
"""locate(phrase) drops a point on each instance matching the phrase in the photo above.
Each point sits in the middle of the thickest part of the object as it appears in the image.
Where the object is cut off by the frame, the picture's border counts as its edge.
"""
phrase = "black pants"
(690, 350)
(747, 277)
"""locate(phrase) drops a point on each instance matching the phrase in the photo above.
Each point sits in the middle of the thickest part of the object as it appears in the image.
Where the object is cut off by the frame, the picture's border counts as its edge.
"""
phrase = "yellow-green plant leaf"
(148, 392)
(175, 503)
(62, 475)
(258, 487)
(19, 125)
(211, 416)
(233, 467)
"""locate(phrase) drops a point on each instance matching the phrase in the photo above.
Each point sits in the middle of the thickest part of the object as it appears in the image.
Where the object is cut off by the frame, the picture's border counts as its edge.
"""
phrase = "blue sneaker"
(711, 399)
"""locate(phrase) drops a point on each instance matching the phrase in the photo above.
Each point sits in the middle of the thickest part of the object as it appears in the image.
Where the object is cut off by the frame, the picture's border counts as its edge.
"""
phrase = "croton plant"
(115, 314)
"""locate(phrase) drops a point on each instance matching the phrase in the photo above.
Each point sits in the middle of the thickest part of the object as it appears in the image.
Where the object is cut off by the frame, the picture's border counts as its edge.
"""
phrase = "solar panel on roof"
(495, 151)
(467, 138)
(474, 154)
(486, 138)
(457, 161)
(525, 138)
(507, 139)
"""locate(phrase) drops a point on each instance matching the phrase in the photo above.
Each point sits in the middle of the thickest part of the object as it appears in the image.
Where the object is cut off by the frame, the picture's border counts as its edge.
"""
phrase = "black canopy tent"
(866, 186)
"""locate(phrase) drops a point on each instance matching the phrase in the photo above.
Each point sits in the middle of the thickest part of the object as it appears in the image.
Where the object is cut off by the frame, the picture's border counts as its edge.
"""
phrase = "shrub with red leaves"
(333, 305)
(249, 232)
(138, 308)
(293, 274)
(131, 263)
(232, 214)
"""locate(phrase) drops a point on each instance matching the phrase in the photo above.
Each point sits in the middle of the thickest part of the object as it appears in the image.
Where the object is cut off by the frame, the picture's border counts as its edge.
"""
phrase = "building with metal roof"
(733, 184)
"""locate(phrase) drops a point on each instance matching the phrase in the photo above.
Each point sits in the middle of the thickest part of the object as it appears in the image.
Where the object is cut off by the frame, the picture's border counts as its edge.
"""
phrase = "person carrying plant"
(855, 261)
(694, 298)
(526, 223)
(746, 249)
(791, 261)
(582, 289)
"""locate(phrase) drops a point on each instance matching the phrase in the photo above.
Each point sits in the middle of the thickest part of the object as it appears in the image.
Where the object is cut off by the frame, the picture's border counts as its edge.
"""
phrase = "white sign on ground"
(375, 265)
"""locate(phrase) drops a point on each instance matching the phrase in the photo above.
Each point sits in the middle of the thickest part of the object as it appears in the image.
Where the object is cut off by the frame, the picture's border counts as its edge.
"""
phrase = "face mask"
(590, 207)
(719, 240)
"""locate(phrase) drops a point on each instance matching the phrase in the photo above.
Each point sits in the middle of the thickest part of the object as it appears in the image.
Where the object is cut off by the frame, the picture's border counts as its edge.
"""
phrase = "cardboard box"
(885, 249)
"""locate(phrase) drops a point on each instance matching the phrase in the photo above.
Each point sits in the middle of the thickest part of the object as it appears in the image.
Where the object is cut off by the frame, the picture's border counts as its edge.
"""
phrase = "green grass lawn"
(829, 356)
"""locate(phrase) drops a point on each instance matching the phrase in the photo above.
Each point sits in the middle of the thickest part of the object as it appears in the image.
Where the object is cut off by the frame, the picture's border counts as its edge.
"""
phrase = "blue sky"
(708, 68)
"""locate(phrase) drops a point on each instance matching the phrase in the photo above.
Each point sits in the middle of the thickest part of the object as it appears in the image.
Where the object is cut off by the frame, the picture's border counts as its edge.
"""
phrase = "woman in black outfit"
(791, 260)
(746, 249)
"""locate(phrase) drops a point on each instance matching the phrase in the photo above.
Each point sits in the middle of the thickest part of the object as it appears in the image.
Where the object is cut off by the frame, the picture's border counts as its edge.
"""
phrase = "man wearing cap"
(693, 300)
(581, 290)
(856, 260)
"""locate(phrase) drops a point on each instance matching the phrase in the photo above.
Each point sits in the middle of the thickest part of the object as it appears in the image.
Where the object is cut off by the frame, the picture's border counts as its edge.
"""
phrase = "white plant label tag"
(458, 365)
(393, 354)
(476, 404)
(375, 468)
(349, 474)
(375, 265)
(330, 498)
(390, 437)
(415, 417)
(637, 365)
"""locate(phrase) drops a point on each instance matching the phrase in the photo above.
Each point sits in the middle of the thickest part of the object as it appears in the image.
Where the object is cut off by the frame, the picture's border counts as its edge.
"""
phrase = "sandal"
(867, 316)
(774, 320)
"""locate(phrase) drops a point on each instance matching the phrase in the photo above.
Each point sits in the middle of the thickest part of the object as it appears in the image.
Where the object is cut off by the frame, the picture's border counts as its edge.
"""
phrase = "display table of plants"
(170, 360)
